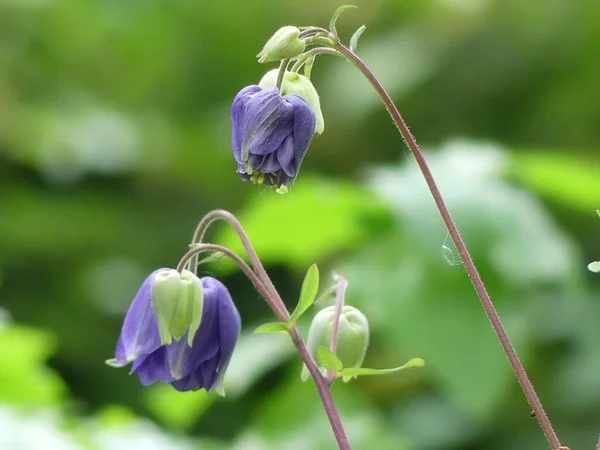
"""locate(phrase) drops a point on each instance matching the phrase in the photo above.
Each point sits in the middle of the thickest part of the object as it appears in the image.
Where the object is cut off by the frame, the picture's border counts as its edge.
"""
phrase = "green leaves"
(360, 371)
(336, 14)
(355, 37)
(272, 327)
(328, 360)
(308, 294)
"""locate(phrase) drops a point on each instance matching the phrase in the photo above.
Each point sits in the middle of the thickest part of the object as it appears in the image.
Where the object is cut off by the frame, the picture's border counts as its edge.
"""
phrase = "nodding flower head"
(188, 344)
(270, 135)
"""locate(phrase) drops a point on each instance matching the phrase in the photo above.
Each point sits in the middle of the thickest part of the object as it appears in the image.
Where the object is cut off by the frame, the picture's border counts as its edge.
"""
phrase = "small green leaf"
(272, 327)
(594, 266)
(357, 371)
(328, 359)
(336, 14)
(598, 212)
(355, 37)
(308, 293)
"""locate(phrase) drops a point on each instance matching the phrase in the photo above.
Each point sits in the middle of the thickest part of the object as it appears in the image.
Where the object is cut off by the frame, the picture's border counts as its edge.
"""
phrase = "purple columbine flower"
(201, 365)
(270, 135)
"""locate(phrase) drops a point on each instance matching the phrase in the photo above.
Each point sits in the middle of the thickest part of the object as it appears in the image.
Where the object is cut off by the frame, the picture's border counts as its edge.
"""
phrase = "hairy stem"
(219, 214)
(265, 286)
(465, 256)
(324, 392)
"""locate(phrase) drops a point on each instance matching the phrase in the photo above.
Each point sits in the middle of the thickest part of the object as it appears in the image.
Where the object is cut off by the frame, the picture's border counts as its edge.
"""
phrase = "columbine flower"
(187, 367)
(270, 135)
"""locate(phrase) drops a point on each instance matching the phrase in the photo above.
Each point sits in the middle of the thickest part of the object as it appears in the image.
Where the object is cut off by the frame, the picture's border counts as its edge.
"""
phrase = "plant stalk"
(465, 256)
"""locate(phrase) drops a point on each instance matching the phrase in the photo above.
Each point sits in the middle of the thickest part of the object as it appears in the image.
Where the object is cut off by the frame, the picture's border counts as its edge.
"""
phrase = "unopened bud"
(353, 336)
(284, 44)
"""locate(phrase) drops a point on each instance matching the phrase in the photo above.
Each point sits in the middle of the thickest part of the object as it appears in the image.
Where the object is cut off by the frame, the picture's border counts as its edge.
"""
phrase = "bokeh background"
(114, 141)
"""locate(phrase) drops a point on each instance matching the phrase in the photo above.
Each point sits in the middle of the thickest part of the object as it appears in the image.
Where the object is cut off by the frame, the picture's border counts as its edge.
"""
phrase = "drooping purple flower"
(270, 135)
(201, 365)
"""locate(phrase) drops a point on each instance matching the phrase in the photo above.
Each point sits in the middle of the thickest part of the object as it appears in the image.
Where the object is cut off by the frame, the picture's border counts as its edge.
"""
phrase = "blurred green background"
(114, 141)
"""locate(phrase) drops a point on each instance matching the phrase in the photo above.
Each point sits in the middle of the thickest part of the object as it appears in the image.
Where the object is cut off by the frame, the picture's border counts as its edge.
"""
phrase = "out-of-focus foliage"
(114, 141)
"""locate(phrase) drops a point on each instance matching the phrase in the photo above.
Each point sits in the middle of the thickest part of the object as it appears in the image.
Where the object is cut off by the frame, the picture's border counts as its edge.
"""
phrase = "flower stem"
(323, 389)
(265, 286)
(484, 297)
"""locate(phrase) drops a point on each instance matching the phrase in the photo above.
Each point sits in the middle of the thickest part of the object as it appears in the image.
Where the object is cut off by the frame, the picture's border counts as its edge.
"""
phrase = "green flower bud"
(284, 44)
(353, 336)
(294, 83)
(177, 300)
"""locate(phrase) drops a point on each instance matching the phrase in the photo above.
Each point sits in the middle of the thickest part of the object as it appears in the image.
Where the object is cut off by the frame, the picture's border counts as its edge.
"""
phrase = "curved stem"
(263, 284)
(323, 389)
(201, 248)
(484, 297)
(219, 214)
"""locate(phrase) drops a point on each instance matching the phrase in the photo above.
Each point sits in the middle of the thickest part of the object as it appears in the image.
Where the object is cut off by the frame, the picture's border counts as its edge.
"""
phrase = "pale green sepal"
(594, 266)
(308, 293)
(298, 84)
(165, 295)
(177, 300)
(336, 14)
(272, 327)
(194, 300)
(360, 371)
(328, 360)
(355, 37)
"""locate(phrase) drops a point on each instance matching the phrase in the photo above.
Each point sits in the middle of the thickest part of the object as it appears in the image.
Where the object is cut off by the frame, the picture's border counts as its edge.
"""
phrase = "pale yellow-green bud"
(284, 44)
(353, 336)
(294, 83)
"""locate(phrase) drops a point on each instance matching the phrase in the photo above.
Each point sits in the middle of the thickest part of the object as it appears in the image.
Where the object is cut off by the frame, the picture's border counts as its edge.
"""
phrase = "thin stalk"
(219, 214)
(258, 284)
(324, 392)
(465, 256)
(340, 295)
(281, 73)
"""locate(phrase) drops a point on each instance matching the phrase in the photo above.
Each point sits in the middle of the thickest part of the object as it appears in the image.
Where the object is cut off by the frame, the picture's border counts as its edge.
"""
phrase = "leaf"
(336, 14)
(598, 212)
(328, 359)
(355, 37)
(361, 371)
(560, 177)
(308, 293)
(594, 266)
(272, 327)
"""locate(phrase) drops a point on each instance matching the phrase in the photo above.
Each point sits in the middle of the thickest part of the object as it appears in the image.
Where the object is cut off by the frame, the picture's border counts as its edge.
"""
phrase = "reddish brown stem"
(484, 297)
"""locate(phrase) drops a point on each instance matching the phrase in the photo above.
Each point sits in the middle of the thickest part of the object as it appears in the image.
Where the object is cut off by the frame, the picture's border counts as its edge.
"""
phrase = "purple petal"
(205, 376)
(153, 368)
(238, 109)
(267, 121)
(230, 325)
(285, 156)
(304, 126)
(139, 335)
(269, 163)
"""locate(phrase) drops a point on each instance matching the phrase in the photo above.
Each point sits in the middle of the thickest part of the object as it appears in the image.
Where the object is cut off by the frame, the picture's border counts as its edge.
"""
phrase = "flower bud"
(294, 83)
(284, 44)
(177, 300)
(353, 336)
